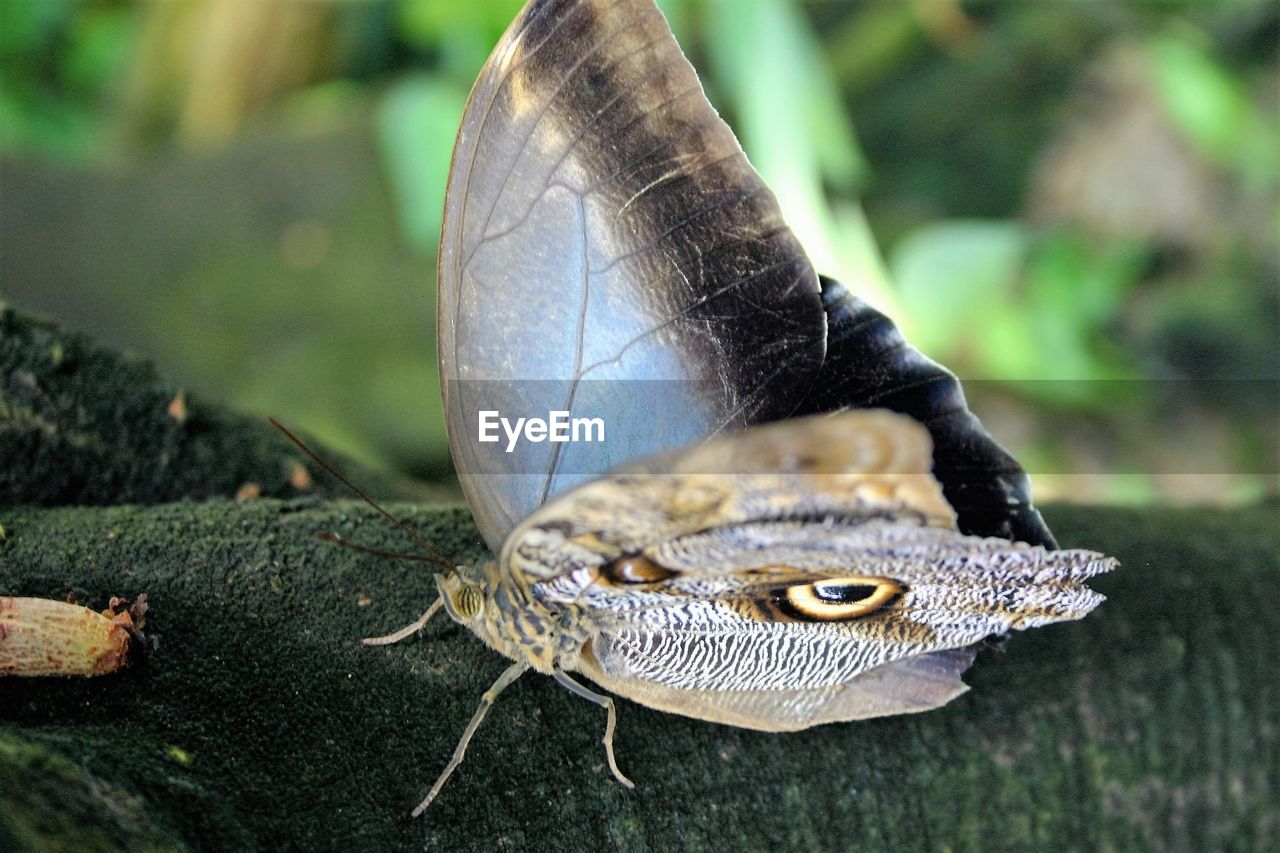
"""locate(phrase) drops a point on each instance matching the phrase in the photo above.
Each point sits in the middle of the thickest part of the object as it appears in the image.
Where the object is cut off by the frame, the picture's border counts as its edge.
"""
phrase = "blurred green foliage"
(420, 113)
(1080, 194)
(58, 61)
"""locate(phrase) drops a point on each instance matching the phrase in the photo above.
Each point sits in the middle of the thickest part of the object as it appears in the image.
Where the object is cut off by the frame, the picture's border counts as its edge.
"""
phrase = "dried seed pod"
(41, 636)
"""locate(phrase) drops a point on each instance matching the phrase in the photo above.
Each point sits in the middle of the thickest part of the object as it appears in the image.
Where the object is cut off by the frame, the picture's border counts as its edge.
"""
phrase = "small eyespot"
(636, 570)
(839, 599)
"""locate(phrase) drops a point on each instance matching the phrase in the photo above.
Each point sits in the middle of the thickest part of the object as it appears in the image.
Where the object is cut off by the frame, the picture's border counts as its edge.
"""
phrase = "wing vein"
(554, 95)
(730, 197)
(577, 364)
(685, 312)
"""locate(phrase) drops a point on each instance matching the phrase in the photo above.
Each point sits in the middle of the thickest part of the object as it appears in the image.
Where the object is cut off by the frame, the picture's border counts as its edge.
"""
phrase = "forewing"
(870, 364)
(602, 224)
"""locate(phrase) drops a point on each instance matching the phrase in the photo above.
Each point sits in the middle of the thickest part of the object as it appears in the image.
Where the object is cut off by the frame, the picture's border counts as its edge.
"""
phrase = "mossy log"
(259, 722)
(81, 424)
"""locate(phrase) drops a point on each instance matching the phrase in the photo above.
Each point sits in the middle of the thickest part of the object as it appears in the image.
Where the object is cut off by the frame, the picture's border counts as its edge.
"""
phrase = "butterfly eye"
(468, 600)
(838, 599)
(637, 570)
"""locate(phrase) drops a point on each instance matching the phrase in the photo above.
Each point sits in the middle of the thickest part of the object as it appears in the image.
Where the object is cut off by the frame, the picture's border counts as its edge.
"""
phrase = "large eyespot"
(636, 569)
(838, 599)
(468, 600)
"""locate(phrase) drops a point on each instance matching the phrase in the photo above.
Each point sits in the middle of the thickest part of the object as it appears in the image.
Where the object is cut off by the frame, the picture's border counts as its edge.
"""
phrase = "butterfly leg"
(604, 702)
(509, 675)
(407, 630)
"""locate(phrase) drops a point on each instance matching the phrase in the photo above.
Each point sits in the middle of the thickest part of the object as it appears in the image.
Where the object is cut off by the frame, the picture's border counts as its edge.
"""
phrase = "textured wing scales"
(903, 687)
(713, 633)
(712, 624)
(683, 582)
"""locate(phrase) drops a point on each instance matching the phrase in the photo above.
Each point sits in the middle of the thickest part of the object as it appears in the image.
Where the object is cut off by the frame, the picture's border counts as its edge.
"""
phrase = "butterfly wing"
(787, 575)
(602, 224)
(857, 462)
(784, 625)
(608, 251)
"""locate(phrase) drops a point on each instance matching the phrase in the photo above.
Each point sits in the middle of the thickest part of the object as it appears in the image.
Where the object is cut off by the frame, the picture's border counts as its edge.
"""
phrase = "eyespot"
(636, 570)
(468, 600)
(839, 599)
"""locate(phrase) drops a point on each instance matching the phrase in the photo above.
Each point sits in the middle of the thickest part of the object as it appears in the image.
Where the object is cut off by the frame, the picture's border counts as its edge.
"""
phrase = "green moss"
(49, 803)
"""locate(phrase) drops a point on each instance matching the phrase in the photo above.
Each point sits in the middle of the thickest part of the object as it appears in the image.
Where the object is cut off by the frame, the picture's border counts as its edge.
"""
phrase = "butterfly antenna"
(335, 539)
(433, 552)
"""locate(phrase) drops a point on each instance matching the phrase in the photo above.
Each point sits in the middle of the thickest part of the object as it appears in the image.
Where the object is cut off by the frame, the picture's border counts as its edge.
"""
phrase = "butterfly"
(776, 578)
(607, 248)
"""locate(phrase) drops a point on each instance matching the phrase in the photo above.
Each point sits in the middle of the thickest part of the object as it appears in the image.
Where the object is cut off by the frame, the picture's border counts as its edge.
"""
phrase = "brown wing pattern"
(851, 464)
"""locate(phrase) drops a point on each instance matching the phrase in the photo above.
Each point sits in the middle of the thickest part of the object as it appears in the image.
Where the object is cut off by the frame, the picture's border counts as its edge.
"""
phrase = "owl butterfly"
(606, 245)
